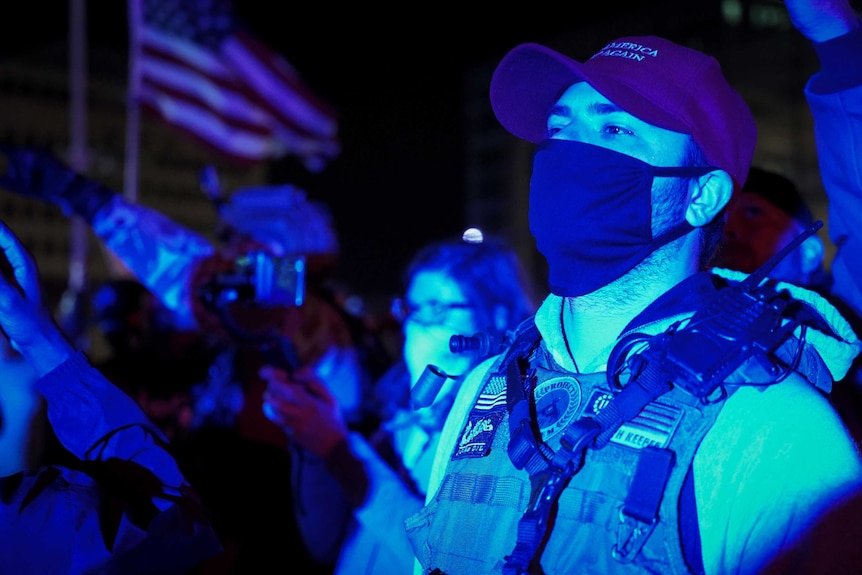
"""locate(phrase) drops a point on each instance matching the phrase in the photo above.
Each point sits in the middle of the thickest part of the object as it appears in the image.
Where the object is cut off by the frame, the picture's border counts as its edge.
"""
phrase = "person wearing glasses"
(354, 491)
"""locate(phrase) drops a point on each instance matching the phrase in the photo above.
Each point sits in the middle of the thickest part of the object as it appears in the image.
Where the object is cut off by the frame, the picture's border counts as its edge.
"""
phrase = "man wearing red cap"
(652, 417)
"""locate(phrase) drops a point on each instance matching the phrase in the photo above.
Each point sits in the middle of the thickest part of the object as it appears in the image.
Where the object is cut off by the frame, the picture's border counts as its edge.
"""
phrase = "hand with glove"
(36, 173)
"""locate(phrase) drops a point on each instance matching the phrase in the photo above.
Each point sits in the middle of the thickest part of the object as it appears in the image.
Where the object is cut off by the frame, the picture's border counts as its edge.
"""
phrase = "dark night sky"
(394, 76)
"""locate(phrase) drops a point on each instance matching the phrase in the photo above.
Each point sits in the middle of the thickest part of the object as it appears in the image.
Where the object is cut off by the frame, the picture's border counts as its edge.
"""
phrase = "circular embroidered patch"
(557, 401)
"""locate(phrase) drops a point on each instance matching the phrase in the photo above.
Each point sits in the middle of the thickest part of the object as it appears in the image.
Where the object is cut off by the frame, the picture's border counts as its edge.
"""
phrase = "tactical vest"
(591, 531)
(619, 510)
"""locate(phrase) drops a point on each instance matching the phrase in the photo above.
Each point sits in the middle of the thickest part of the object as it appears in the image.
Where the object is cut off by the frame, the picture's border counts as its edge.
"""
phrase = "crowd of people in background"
(354, 490)
(245, 417)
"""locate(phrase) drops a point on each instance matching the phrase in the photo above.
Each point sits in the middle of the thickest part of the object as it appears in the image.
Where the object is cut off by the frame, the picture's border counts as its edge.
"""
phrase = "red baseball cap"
(654, 79)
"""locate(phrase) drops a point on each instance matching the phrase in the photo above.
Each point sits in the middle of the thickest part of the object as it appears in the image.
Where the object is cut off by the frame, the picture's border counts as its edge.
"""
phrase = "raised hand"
(822, 20)
(27, 323)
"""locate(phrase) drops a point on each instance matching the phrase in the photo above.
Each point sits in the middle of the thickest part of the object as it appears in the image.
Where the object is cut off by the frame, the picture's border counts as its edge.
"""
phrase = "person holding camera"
(353, 491)
(233, 452)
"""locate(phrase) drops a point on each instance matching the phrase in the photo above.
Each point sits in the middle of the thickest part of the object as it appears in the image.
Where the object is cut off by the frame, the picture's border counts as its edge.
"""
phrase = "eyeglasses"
(428, 313)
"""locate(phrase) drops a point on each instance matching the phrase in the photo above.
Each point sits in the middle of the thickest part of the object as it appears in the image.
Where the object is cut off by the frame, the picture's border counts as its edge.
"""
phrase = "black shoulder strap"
(526, 339)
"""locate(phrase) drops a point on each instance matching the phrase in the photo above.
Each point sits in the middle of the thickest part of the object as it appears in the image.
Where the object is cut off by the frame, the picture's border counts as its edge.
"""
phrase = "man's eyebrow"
(603, 108)
(558, 110)
(596, 109)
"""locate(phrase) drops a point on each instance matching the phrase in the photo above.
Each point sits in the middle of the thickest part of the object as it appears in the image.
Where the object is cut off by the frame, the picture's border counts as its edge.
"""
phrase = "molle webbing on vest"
(484, 489)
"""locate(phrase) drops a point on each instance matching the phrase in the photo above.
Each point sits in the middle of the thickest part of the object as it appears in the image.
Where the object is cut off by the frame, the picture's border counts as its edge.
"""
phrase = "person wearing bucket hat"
(651, 417)
(258, 296)
(283, 218)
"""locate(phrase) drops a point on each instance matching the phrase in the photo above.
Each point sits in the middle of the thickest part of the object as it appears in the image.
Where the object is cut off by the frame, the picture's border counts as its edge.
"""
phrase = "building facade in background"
(35, 103)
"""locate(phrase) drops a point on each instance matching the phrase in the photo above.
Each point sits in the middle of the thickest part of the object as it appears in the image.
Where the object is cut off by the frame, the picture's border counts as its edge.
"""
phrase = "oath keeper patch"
(484, 419)
(653, 426)
(557, 402)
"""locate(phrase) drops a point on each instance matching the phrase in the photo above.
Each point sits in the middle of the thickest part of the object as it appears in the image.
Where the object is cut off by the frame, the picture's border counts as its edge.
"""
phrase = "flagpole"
(130, 187)
(71, 310)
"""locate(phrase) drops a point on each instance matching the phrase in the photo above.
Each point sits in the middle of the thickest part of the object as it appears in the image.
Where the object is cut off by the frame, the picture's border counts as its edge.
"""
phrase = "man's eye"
(617, 131)
(553, 130)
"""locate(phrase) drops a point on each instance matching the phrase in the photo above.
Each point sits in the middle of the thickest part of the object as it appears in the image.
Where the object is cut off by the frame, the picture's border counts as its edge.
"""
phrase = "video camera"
(258, 278)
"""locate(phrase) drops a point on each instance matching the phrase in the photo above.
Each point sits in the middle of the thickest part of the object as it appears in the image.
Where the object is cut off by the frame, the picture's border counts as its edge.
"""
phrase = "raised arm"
(834, 95)
(160, 252)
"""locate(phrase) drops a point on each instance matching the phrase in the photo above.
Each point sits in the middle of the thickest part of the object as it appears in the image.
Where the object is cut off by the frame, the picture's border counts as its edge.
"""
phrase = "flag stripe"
(240, 146)
(487, 401)
(184, 69)
(180, 82)
(273, 78)
(229, 112)
(229, 91)
(166, 46)
(164, 76)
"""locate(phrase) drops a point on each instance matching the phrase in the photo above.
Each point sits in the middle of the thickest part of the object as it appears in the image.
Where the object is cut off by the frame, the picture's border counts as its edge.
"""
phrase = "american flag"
(201, 73)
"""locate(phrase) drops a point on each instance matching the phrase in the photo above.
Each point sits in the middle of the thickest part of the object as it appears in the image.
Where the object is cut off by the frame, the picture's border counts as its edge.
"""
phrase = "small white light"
(472, 236)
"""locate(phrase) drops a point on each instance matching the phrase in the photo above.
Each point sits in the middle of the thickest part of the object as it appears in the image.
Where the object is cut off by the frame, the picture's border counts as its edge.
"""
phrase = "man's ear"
(708, 195)
(811, 254)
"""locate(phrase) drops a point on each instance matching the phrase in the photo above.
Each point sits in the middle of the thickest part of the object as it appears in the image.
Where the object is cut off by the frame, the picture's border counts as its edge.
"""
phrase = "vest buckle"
(632, 533)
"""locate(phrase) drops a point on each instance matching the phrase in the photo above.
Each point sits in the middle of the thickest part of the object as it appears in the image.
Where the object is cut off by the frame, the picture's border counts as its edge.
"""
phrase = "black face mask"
(591, 213)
